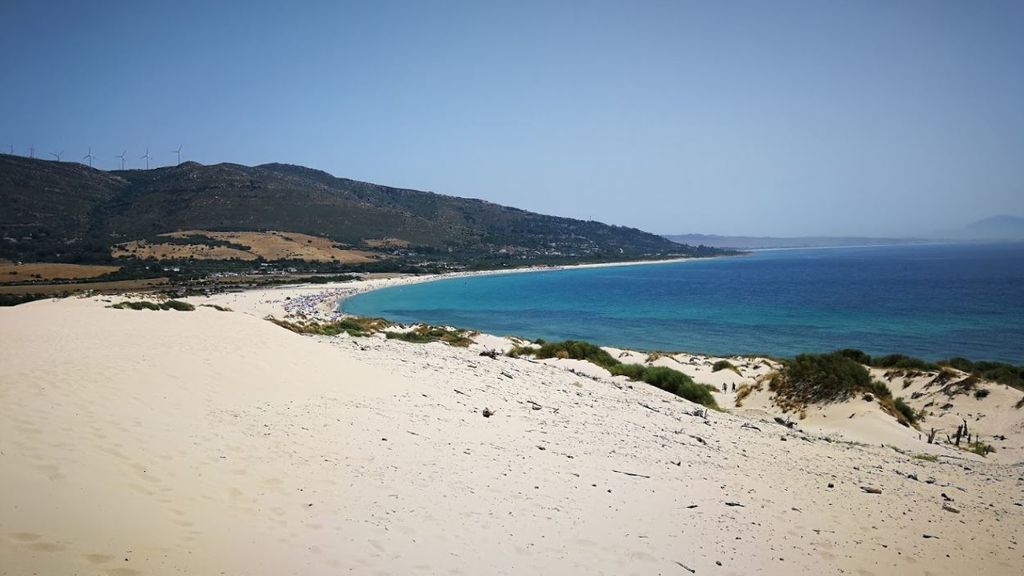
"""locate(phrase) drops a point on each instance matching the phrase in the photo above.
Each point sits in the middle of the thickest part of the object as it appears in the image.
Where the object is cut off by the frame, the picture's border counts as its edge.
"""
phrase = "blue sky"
(782, 118)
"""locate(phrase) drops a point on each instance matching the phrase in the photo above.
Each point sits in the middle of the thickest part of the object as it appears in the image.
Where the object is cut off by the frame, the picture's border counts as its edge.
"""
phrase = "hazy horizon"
(788, 119)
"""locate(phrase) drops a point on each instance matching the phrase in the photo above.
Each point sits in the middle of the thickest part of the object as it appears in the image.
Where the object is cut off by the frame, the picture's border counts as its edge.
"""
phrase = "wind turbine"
(32, 151)
(122, 158)
(178, 152)
(12, 149)
(89, 157)
(146, 158)
(57, 155)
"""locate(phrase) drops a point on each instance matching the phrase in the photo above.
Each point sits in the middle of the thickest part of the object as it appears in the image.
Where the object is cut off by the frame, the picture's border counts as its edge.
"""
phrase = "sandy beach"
(216, 442)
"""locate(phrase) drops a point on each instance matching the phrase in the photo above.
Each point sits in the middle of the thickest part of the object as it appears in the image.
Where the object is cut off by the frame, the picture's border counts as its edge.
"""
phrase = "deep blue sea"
(931, 301)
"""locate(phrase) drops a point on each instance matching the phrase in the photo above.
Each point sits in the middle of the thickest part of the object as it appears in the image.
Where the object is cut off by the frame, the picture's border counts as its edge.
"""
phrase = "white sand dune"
(206, 442)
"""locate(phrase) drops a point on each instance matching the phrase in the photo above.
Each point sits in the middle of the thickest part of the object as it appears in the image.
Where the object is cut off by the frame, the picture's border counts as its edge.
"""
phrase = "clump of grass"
(577, 350)
(669, 380)
(905, 412)
(926, 457)
(742, 392)
(141, 305)
(879, 389)
(980, 448)
(724, 365)
(350, 326)
(358, 326)
(148, 305)
(424, 334)
(672, 381)
(520, 350)
(217, 307)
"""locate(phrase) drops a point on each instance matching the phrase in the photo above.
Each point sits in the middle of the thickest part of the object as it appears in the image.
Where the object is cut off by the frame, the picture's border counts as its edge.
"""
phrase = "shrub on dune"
(669, 380)
(858, 356)
(577, 350)
(903, 361)
(724, 365)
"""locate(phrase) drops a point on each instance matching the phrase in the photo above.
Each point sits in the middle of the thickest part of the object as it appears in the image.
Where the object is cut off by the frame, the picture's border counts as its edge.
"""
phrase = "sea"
(933, 301)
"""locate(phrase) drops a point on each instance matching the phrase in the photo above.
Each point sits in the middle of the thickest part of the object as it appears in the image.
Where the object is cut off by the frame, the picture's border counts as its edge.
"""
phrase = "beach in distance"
(265, 432)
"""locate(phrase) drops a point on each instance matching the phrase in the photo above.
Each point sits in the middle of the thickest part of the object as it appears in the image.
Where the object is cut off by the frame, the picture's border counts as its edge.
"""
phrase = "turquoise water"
(931, 301)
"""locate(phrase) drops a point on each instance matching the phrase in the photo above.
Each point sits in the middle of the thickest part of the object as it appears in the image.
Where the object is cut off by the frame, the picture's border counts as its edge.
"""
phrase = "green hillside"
(68, 212)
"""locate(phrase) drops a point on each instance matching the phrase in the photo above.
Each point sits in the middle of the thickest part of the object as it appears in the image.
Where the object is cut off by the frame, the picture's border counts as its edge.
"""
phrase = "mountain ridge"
(64, 211)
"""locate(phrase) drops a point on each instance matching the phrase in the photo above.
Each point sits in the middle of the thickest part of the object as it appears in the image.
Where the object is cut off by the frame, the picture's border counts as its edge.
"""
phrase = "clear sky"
(781, 118)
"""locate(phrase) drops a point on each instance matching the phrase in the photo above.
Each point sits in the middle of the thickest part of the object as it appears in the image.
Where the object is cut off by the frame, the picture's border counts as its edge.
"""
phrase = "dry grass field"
(11, 272)
(117, 285)
(271, 245)
(386, 243)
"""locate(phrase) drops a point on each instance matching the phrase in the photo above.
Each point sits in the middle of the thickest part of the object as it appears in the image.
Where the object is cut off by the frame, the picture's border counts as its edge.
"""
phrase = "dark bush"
(517, 351)
(724, 365)
(962, 364)
(425, 334)
(858, 356)
(905, 411)
(577, 350)
(1000, 372)
(880, 389)
(669, 380)
(148, 305)
(904, 362)
(631, 371)
(821, 378)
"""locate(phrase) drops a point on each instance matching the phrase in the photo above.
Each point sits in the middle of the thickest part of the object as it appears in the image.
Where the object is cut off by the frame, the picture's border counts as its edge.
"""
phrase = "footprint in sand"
(98, 558)
(47, 547)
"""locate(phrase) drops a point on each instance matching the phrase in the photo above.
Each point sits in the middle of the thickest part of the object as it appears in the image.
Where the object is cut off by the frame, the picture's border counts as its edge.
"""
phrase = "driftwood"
(649, 408)
(700, 413)
(631, 474)
(871, 489)
(785, 422)
(749, 425)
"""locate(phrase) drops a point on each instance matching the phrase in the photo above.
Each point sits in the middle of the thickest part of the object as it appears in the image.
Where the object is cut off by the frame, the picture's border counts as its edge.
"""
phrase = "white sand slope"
(206, 442)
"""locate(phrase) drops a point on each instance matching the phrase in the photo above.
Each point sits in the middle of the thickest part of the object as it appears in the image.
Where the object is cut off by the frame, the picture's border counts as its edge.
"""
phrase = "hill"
(68, 212)
(1000, 227)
